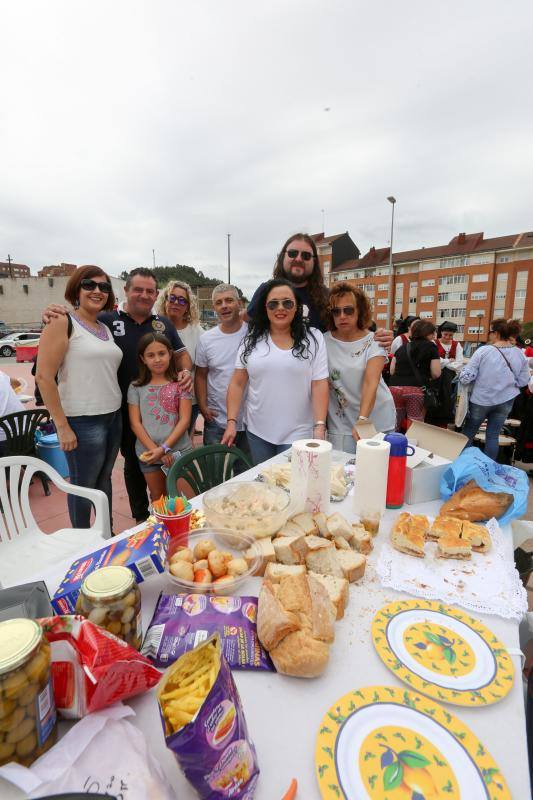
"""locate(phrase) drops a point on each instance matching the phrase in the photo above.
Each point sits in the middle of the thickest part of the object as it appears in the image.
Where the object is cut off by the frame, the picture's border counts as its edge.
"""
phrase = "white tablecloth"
(284, 714)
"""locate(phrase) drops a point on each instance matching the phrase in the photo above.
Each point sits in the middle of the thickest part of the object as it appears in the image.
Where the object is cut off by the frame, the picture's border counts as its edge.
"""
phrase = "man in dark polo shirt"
(128, 326)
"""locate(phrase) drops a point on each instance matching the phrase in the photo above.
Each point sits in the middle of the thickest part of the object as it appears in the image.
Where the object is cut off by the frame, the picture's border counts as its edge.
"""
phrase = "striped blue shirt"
(495, 381)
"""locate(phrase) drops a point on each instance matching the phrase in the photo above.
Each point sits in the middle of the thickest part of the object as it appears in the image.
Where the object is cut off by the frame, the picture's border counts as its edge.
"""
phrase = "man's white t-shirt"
(279, 408)
(9, 402)
(217, 351)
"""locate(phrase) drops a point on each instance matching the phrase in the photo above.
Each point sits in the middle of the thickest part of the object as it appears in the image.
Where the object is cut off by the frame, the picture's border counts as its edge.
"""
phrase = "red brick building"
(59, 271)
(469, 281)
(10, 270)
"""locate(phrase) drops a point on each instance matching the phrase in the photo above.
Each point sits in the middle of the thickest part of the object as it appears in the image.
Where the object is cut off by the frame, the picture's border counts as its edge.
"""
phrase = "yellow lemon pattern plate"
(442, 652)
(385, 743)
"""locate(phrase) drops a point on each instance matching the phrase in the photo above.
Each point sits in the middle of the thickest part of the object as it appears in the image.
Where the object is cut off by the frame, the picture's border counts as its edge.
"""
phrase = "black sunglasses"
(305, 254)
(89, 285)
(181, 301)
(287, 304)
(348, 311)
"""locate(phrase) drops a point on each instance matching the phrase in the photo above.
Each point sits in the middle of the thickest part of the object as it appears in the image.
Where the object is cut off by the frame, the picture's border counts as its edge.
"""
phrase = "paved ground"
(51, 512)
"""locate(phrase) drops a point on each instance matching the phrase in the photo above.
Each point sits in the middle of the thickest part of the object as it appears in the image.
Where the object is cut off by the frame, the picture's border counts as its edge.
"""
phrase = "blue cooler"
(48, 449)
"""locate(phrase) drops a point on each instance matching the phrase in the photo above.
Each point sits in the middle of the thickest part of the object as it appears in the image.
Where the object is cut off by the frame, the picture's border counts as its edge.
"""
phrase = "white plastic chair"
(24, 548)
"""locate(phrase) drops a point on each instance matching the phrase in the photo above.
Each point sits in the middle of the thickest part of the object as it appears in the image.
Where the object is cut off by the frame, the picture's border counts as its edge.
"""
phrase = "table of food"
(286, 653)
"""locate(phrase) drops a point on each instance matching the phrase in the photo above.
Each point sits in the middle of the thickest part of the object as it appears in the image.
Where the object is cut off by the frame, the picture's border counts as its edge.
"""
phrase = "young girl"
(159, 411)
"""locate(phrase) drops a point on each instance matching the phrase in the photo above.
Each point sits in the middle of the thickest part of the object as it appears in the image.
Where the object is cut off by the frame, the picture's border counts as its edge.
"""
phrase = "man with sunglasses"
(128, 325)
(298, 263)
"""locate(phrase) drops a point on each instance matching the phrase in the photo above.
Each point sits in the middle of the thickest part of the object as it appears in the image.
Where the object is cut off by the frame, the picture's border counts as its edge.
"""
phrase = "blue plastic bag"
(473, 464)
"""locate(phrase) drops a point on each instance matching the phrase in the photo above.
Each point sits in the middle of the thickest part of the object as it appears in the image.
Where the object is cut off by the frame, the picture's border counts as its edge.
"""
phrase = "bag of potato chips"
(204, 724)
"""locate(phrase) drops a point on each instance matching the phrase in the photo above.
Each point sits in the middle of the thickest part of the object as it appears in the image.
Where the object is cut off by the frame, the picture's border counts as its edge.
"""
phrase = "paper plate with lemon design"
(442, 652)
(385, 743)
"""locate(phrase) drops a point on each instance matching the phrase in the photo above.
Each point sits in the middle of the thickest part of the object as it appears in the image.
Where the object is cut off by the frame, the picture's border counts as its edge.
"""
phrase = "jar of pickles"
(110, 597)
(27, 711)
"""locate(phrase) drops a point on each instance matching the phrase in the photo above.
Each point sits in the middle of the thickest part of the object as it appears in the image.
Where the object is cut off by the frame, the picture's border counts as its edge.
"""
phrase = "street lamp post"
(229, 258)
(390, 314)
(479, 318)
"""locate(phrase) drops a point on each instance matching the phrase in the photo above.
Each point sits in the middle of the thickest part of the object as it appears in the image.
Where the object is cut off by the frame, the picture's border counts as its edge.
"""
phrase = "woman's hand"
(230, 434)
(384, 338)
(67, 438)
(185, 380)
(319, 432)
(355, 435)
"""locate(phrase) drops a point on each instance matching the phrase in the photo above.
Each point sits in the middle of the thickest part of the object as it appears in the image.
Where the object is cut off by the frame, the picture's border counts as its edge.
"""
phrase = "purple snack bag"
(213, 750)
(182, 621)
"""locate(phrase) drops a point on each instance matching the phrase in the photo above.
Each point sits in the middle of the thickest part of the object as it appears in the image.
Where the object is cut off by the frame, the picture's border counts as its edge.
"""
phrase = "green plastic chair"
(205, 467)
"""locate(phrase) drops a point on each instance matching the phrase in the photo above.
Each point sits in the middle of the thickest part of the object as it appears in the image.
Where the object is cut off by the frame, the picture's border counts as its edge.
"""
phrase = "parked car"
(8, 344)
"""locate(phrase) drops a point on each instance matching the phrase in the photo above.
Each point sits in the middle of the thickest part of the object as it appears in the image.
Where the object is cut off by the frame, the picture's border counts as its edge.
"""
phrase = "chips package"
(182, 621)
(204, 724)
(92, 668)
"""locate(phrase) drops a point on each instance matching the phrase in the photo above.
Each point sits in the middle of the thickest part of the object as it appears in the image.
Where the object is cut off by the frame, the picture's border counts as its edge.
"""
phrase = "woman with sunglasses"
(357, 391)
(178, 303)
(85, 402)
(283, 363)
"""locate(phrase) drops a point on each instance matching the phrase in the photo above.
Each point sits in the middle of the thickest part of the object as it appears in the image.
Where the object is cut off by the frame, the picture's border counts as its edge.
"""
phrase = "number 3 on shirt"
(118, 328)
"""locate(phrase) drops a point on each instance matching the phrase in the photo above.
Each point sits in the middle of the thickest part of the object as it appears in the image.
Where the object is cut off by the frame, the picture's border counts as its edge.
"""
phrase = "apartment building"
(333, 251)
(470, 281)
(8, 269)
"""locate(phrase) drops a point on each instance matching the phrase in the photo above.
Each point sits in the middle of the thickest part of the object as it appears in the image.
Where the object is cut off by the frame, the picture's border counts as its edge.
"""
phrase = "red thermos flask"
(399, 450)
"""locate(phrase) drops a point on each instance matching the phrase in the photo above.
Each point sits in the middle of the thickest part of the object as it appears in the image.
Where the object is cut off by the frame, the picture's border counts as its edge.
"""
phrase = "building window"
(382, 287)
(426, 315)
(460, 329)
(456, 261)
(450, 280)
(427, 298)
(1, 289)
(430, 282)
(499, 312)
(25, 288)
(327, 265)
(472, 329)
(412, 300)
(485, 258)
(381, 316)
(475, 312)
(521, 280)
(481, 278)
(413, 285)
(520, 293)
(50, 281)
(382, 301)
(479, 295)
(443, 296)
(503, 259)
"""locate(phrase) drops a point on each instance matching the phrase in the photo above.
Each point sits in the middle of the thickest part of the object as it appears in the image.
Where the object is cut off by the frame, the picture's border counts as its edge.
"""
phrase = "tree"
(181, 272)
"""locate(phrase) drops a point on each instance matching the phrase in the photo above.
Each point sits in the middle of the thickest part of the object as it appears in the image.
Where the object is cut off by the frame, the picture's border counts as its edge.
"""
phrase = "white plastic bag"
(102, 753)
(461, 403)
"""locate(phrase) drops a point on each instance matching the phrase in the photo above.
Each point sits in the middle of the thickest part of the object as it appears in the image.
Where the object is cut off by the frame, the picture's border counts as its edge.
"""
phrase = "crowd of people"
(299, 361)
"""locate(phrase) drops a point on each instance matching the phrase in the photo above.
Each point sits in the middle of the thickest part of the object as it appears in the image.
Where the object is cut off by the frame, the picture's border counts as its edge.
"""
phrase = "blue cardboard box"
(144, 552)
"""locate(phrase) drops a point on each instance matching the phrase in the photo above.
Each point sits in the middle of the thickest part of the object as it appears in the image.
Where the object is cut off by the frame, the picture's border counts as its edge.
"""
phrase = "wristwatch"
(166, 448)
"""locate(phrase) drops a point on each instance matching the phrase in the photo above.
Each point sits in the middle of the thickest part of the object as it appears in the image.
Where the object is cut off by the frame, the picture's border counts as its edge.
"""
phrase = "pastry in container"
(27, 711)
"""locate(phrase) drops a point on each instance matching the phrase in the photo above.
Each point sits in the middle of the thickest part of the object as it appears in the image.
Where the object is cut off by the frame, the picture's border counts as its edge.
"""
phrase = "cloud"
(129, 126)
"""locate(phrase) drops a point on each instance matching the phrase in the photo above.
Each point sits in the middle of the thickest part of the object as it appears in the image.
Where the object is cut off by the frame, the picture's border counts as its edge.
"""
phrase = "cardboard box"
(144, 553)
(435, 449)
(30, 600)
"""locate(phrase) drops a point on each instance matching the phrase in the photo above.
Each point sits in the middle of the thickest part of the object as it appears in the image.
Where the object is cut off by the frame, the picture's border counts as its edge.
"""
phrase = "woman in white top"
(85, 403)
(178, 303)
(285, 366)
(357, 392)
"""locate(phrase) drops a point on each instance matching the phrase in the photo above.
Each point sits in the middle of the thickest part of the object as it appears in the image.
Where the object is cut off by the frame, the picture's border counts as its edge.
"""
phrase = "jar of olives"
(110, 597)
(27, 711)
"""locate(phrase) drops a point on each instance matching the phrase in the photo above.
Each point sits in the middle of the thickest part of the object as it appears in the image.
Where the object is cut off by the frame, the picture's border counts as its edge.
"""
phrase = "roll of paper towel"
(310, 475)
(371, 470)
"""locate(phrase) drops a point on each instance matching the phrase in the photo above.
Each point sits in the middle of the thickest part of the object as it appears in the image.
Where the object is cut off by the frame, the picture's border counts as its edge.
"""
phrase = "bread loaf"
(474, 504)
(295, 624)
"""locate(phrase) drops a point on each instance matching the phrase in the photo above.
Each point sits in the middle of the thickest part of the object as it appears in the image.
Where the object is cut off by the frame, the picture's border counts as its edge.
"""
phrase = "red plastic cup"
(178, 526)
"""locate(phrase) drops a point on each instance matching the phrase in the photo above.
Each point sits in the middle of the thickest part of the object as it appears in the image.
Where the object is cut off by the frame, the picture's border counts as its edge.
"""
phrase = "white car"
(8, 344)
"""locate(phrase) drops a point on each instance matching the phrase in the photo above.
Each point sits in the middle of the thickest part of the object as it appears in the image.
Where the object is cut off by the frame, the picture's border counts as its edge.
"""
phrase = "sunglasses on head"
(305, 254)
(181, 301)
(89, 285)
(348, 311)
(287, 304)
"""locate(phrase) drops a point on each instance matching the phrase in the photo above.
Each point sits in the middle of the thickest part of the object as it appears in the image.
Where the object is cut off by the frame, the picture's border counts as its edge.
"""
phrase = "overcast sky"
(127, 126)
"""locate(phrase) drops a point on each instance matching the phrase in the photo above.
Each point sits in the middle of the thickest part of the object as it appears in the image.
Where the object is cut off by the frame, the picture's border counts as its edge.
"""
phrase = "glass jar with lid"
(28, 720)
(110, 597)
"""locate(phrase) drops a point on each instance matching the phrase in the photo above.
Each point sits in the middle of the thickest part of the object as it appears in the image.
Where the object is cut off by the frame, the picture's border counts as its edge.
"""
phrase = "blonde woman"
(177, 302)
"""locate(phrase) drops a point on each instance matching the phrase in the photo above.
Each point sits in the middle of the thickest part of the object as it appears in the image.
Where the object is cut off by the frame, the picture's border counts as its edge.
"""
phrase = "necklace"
(101, 333)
